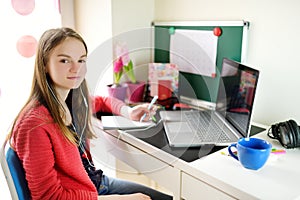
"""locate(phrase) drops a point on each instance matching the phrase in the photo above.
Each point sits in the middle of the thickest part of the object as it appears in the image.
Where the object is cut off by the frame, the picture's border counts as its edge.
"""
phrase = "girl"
(52, 131)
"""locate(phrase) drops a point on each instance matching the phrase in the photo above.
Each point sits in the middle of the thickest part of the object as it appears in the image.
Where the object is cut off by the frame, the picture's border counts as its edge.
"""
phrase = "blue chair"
(14, 174)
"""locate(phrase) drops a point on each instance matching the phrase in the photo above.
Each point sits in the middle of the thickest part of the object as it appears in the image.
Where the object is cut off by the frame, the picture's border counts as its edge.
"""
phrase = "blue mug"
(252, 153)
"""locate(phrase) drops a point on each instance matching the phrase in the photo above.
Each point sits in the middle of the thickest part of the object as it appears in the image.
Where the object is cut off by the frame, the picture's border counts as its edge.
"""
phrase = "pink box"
(163, 79)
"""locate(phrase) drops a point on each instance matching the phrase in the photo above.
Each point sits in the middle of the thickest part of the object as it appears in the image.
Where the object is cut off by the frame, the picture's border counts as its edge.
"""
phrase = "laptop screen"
(236, 93)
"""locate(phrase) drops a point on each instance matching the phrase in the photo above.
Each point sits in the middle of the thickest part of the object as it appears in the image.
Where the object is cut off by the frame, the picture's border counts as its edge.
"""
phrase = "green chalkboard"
(231, 44)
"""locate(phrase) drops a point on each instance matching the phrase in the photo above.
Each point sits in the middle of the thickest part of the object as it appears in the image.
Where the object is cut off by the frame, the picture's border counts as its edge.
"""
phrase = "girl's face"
(67, 65)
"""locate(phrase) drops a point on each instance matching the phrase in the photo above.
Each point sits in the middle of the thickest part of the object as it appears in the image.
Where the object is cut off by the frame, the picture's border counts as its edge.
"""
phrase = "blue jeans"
(116, 186)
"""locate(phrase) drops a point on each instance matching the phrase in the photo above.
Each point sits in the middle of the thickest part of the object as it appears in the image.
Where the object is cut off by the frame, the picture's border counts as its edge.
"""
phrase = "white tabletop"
(277, 179)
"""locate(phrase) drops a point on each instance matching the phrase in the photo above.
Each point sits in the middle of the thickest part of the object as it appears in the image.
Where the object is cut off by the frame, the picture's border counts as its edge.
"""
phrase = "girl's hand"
(136, 112)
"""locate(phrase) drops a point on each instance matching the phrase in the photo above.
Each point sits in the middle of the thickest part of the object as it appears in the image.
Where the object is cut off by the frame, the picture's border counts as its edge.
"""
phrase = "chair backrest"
(14, 174)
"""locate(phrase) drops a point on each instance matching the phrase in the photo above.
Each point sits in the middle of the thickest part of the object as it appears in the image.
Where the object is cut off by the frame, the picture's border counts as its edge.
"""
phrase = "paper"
(194, 51)
(119, 122)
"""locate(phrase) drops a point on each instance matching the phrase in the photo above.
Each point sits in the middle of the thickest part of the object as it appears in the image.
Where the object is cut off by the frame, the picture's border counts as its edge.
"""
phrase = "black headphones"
(288, 133)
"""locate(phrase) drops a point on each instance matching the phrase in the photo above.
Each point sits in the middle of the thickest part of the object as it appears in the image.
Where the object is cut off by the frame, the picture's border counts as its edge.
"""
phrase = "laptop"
(223, 123)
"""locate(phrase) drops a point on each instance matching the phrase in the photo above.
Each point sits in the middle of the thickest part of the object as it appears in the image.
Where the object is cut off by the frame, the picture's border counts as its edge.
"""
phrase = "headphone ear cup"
(291, 134)
(274, 131)
(296, 133)
(285, 137)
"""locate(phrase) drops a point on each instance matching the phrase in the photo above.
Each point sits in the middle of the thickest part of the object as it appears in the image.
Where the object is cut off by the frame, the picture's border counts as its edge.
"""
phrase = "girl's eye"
(64, 61)
(82, 61)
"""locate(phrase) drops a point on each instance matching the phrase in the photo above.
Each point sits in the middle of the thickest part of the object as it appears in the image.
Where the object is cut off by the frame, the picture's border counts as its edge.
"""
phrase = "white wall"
(273, 46)
(67, 13)
(128, 15)
(93, 21)
(131, 21)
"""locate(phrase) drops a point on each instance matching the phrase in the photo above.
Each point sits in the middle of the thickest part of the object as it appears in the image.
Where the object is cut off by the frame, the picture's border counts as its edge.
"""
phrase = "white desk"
(215, 176)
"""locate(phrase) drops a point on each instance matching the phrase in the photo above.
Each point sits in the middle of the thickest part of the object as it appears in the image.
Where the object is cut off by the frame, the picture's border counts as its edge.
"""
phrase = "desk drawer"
(143, 162)
(195, 189)
(146, 164)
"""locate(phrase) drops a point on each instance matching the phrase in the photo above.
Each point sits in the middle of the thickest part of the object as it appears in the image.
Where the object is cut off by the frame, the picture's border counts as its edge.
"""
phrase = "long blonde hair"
(42, 88)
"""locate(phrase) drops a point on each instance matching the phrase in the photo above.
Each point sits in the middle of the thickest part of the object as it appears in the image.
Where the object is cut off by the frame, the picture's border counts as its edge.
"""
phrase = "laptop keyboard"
(206, 128)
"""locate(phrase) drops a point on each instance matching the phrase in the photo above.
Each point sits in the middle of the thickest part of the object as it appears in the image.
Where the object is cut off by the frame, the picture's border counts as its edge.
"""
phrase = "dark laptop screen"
(236, 94)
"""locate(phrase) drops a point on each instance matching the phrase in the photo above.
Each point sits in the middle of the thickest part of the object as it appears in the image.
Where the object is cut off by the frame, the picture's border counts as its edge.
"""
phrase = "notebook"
(227, 122)
(123, 123)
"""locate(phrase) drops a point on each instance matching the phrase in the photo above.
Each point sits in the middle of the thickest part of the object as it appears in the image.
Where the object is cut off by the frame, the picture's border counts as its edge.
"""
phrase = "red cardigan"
(52, 165)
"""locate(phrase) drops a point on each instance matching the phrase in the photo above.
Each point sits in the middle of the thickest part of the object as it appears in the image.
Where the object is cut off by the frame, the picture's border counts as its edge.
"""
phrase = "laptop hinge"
(197, 103)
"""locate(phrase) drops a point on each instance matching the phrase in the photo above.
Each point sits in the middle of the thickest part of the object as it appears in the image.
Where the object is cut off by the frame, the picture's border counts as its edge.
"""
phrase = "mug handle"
(230, 152)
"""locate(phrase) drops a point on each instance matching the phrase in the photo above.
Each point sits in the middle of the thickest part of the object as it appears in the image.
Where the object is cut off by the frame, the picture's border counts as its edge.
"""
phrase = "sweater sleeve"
(107, 104)
(52, 165)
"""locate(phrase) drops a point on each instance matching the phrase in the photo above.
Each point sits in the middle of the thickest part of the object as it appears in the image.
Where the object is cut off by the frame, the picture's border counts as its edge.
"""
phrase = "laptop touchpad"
(179, 132)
